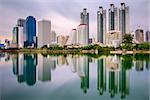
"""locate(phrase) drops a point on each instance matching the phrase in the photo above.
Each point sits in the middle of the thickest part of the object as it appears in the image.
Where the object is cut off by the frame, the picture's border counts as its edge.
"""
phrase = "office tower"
(82, 35)
(62, 40)
(53, 37)
(124, 19)
(113, 36)
(72, 37)
(30, 32)
(18, 34)
(101, 25)
(139, 35)
(15, 37)
(113, 18)
(85, 20)
(21, 34)
(44, 31)
(21, 22)
(147, 36)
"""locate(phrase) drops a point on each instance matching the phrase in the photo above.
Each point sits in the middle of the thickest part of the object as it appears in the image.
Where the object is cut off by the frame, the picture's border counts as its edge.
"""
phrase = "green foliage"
(142, 57)
(143, 46)
(127, 46)
(127, 61)
(56, 48)
(127, 39)
(91, 47)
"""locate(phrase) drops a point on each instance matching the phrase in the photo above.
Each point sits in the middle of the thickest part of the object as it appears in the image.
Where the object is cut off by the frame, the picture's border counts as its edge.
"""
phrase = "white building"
(82, 35)
(53, 37)
(72, 37)
(44, 31)
(21, 38)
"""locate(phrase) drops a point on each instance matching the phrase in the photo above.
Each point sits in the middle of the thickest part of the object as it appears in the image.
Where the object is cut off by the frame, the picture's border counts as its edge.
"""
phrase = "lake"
(27, 76)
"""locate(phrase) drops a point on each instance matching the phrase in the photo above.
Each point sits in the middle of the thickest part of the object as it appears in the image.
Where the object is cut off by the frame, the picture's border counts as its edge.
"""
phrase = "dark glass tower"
(101, 25)
(30, 31)
(124, 19)
(85, 20)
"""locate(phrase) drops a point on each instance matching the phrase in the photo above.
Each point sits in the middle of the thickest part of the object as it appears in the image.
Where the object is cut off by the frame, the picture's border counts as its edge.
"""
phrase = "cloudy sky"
(65, 14)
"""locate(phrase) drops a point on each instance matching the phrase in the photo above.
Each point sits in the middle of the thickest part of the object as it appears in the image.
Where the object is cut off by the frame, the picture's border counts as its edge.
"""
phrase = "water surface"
(74, 77)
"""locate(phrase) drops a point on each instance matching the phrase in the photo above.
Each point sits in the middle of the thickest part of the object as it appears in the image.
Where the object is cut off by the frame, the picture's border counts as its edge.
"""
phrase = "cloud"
(65, 14)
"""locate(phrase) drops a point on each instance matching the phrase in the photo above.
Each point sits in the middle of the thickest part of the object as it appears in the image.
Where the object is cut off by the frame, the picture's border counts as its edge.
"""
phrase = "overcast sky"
(65, 14)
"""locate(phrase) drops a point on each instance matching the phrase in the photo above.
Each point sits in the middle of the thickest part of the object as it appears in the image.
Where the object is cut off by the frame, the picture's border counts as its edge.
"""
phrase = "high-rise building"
(15, 36)
(30, 31)
(85, 19)
(82, 35)
(101, 25)
(124, 19)
(113, 22)
(113, 36)
(147, 36)
(19, 34)
(44, 31)
(72, 37)
(21, 22)
(62, 40)
(139, 35)
(53, 37)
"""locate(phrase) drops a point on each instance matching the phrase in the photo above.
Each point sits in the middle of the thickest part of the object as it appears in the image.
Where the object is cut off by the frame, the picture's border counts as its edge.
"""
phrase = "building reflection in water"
(112, 75)
(80, 65)
(112, 71)
(24, 67)
(46, 64)
(101, 76)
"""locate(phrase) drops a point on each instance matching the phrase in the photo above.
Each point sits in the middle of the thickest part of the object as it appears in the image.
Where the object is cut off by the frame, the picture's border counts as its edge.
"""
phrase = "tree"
(127, 42)
(128, 38)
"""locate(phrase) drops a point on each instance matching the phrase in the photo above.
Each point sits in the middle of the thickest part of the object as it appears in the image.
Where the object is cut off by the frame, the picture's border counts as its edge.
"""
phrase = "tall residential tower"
(124, 19)
(101, 25)
(85, 19)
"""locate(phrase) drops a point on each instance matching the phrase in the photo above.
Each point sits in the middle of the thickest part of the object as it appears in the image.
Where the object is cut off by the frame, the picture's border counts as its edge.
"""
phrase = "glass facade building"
(15, 35)
(101, 25)
(85, 19)
(30, 31)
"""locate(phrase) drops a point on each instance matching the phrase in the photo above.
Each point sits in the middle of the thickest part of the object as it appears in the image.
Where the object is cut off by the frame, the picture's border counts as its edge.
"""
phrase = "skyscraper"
(113, 36)
(101, 25)
(139, 35)
(82, 35)
(21, 22)
(44, 31)
(85, 19)
(30, 31)
(15, 35)
(113, 18)
(18, 34)
(124, 19)
(62, 40)
(147, 36)
(53, 37)
(72, 37)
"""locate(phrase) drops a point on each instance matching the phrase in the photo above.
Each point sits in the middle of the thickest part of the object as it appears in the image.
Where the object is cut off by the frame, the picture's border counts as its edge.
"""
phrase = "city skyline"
(57, 11)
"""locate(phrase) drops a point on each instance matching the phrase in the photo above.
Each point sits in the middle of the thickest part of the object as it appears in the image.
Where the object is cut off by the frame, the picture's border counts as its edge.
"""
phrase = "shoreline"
(75, 51)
